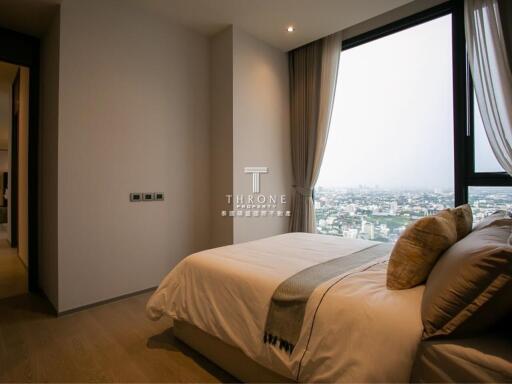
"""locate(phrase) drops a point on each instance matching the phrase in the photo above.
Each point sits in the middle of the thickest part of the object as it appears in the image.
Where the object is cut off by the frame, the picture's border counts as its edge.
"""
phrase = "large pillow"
(417, 250)
(470, 288)
(498, 217)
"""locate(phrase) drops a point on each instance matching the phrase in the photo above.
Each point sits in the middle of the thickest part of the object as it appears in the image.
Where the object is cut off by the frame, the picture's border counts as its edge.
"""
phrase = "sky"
(392, 123)
(485, 161)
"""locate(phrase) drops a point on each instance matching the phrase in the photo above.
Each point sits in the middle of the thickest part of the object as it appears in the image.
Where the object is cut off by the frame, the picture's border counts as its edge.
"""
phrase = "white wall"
(253, 118)
(133, 117)
(48, 161)
(261, 129)
(133, 114)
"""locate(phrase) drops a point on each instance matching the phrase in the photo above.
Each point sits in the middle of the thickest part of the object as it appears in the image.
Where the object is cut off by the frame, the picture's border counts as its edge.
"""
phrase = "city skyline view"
(383, 214)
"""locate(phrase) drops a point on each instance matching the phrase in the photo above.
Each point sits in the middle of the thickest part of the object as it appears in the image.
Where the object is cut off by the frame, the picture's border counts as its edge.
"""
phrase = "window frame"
(474, 178)
(463, 118)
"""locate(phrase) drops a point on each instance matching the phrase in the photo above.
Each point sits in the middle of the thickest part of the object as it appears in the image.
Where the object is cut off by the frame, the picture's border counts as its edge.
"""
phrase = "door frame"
(20, 49)
(14, 147)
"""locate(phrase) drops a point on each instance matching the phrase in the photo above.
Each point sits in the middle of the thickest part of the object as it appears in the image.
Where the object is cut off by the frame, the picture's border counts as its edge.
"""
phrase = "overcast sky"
(392, 124)
(485, 161)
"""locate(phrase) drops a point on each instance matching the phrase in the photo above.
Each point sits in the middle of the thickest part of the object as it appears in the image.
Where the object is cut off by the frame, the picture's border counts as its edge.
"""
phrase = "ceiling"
(269, 19)
(264, 19)
(31, 17)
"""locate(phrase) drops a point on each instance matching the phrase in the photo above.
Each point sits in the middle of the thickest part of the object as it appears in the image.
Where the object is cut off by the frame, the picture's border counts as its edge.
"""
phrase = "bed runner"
(288, 304)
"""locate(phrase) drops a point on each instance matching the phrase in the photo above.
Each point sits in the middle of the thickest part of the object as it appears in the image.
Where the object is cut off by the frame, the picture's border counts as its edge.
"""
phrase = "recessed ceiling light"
(291, 28)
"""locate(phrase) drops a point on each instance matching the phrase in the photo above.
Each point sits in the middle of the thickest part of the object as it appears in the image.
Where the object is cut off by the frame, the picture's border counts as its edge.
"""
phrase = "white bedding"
(362, 331)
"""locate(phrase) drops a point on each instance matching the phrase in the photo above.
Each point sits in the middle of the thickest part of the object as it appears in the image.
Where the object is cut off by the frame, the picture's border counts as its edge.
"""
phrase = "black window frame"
(474, 178)
(463, 118)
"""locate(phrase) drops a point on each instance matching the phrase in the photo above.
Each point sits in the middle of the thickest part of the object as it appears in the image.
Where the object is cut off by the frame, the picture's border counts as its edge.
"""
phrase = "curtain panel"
(313, 76)
(488, 39)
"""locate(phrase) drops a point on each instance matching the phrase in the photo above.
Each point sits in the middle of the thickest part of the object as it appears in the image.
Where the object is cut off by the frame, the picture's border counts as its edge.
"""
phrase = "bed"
(485, 358)
(353, 328)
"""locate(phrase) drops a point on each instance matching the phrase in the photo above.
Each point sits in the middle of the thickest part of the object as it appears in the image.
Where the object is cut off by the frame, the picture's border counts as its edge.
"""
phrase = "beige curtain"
(313, 75)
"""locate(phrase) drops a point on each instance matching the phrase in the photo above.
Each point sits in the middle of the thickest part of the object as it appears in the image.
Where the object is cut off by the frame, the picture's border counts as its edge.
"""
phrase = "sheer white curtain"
(492, 76)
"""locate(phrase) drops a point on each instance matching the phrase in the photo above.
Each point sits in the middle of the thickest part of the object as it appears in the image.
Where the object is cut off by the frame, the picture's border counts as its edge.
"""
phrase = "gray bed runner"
(288, 304)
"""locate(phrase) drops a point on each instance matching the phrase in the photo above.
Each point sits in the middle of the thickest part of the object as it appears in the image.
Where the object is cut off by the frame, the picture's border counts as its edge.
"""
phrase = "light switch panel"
(136, 196)
(148, 196)
(159, 196)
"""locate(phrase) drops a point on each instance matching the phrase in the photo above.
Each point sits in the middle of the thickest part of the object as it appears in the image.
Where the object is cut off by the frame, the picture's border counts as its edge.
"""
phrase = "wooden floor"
(13, 274)
(114, 342)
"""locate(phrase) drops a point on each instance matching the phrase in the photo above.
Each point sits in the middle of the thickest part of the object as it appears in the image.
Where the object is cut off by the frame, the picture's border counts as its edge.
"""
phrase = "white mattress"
(361, 331)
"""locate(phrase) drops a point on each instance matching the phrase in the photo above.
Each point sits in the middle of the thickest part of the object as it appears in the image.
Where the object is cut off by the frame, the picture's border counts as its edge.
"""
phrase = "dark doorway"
(23, 50)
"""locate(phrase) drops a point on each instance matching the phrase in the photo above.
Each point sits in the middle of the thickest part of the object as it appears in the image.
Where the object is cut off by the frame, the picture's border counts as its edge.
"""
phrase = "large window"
(489, 187)
(402, 144)
(391, 135)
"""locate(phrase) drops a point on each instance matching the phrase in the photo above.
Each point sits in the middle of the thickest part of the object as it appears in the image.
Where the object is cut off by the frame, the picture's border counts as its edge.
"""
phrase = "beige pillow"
(417, 250)
(463, 220)
(470, 288)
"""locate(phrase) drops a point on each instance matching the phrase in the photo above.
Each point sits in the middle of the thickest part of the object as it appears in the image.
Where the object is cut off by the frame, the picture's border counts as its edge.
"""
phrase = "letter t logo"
(255, 171)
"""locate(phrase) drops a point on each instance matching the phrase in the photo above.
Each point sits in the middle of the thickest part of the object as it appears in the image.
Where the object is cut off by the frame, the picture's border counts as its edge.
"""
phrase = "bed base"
(229, 358)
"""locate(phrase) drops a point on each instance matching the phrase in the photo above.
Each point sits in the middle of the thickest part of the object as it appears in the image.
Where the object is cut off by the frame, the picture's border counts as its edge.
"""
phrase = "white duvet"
(362, 332)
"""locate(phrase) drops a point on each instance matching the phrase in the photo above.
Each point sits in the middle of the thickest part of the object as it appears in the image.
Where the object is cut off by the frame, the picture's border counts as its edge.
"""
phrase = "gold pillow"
(463, 219)
(470, 287)
(417, 250)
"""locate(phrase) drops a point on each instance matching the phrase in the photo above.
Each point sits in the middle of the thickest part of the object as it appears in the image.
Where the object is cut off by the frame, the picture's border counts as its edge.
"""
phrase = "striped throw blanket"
(288, 303)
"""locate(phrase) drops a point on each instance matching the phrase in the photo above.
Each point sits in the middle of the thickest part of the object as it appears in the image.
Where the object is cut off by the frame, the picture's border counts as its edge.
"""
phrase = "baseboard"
(117, 298)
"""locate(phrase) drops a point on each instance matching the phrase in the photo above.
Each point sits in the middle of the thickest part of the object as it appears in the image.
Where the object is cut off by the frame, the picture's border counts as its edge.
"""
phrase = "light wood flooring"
(113, 342)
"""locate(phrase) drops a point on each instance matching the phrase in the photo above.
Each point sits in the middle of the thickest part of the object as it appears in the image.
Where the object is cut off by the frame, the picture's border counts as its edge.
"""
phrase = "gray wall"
(133, 117)
(48, 162)
(221, 149)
